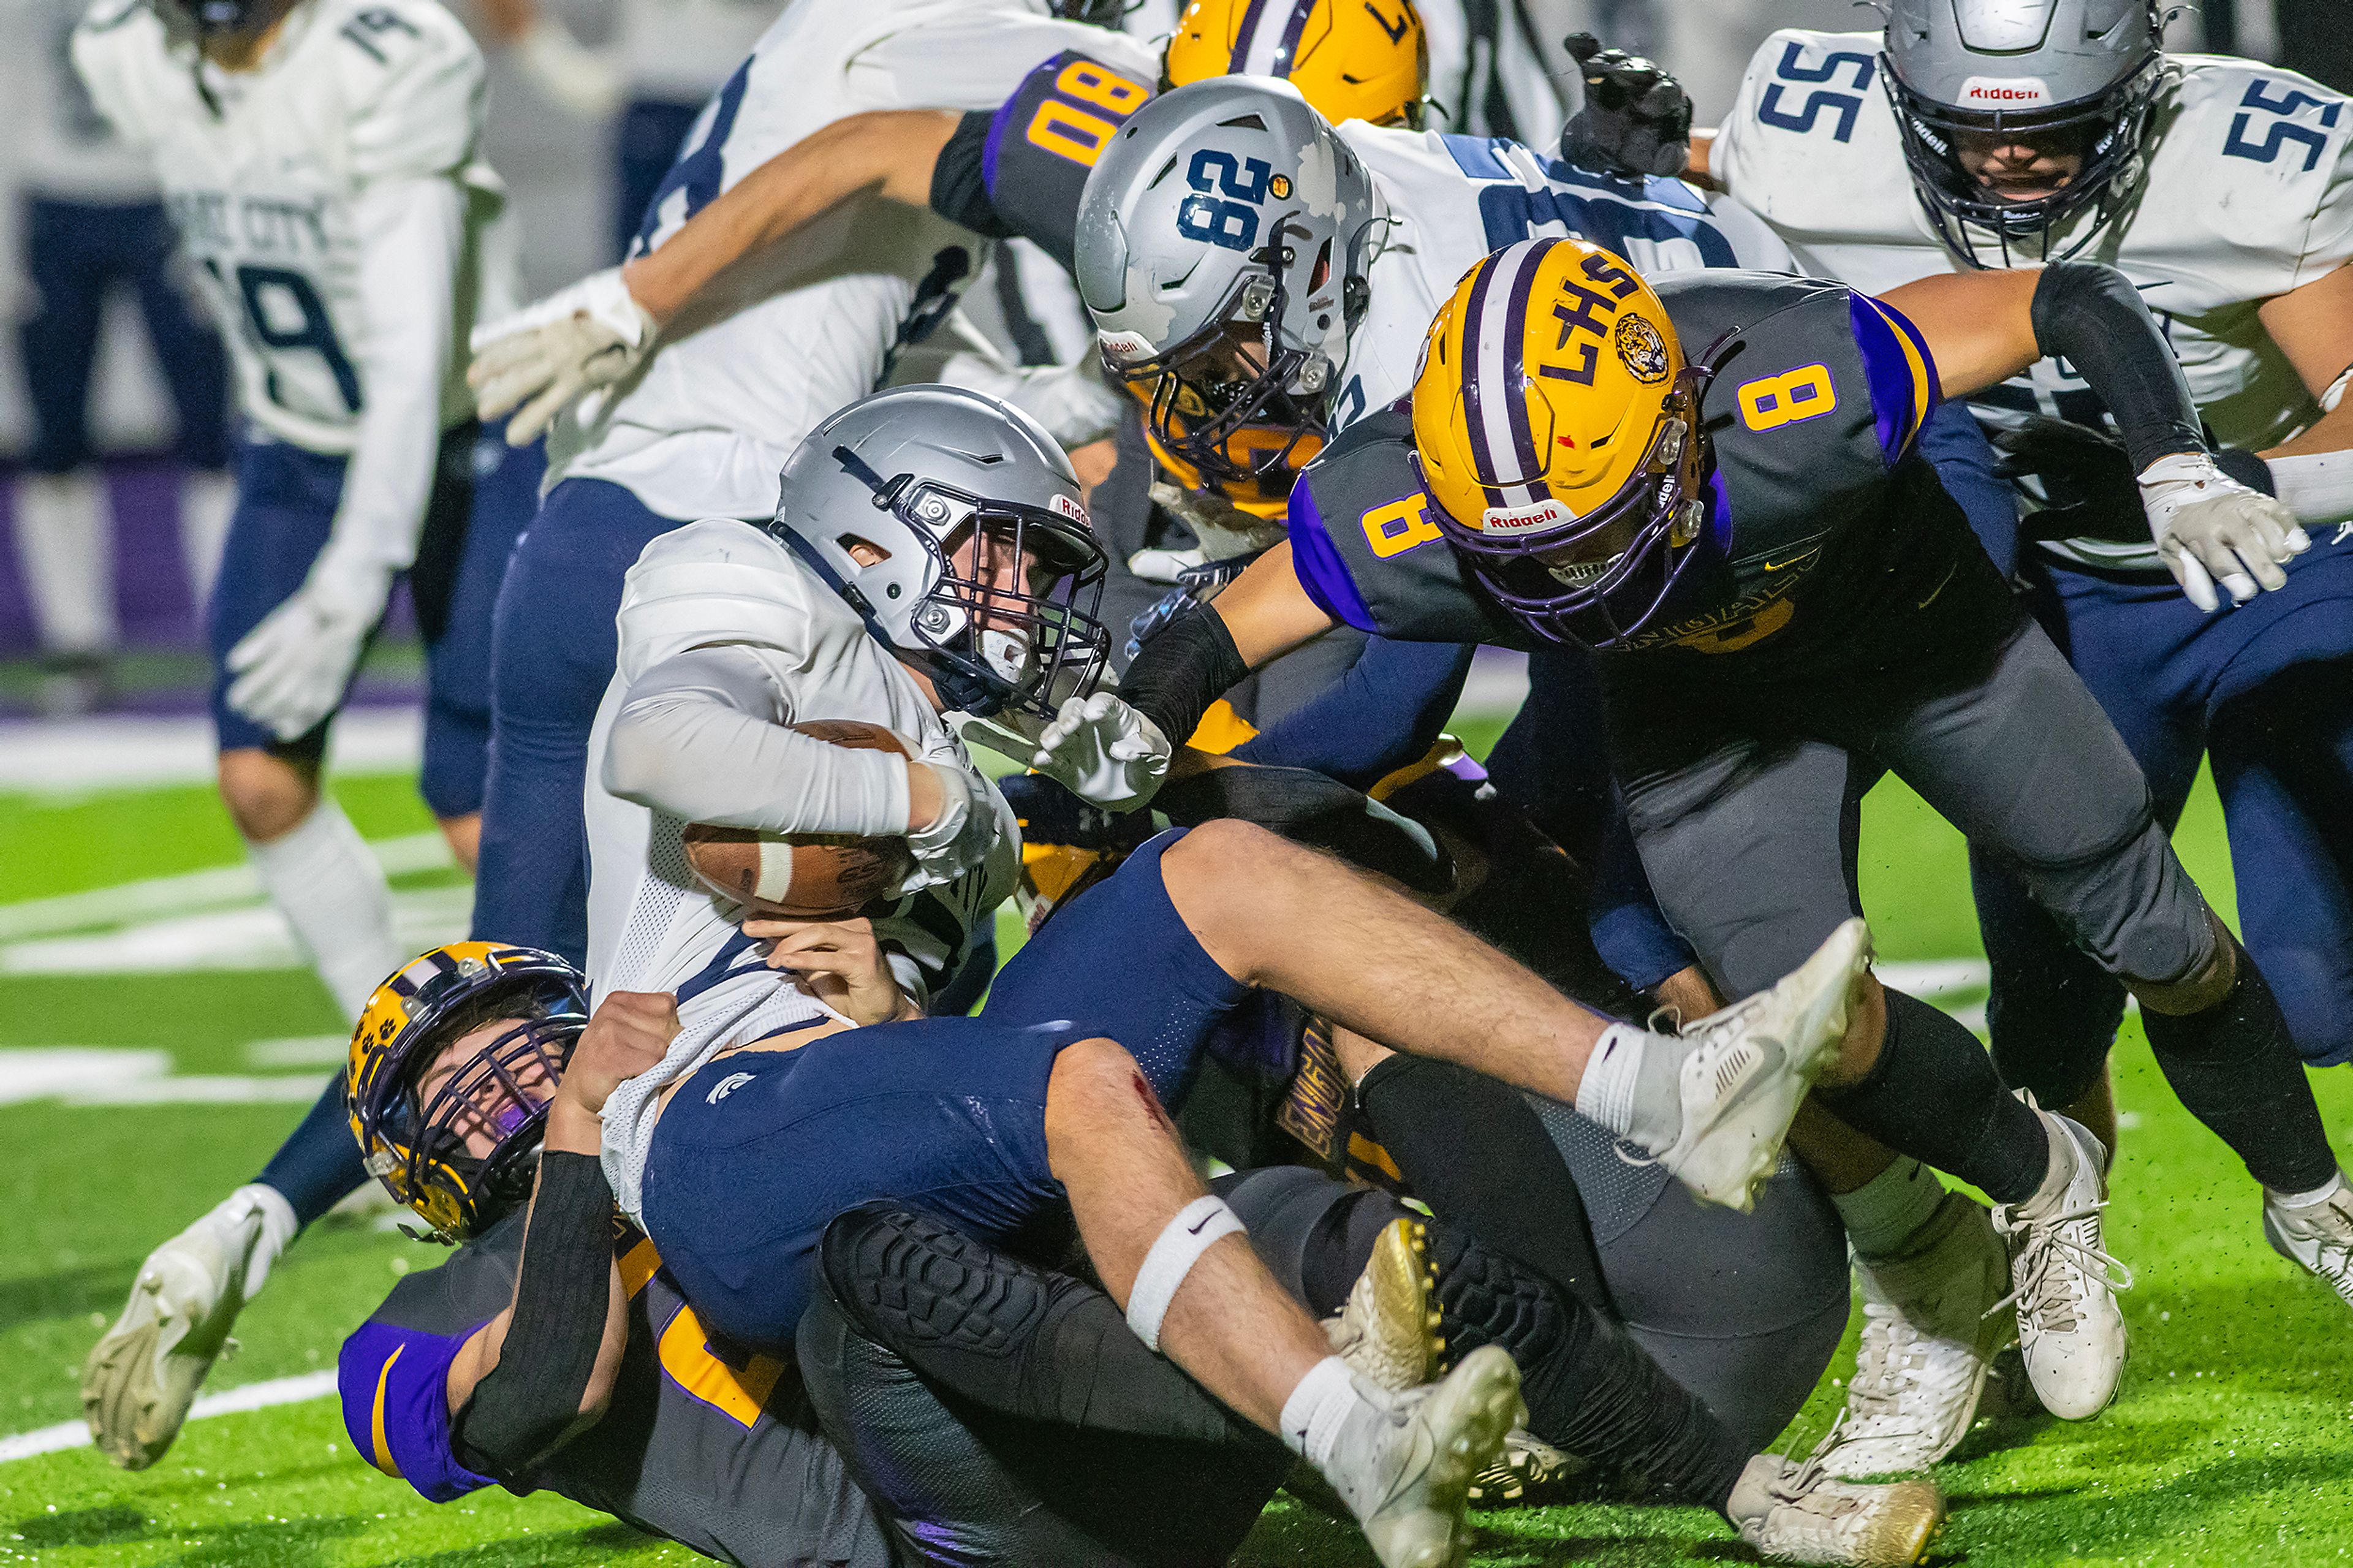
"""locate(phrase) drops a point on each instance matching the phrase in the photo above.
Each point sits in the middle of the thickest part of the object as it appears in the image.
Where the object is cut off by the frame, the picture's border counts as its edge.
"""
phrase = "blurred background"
(111, 388)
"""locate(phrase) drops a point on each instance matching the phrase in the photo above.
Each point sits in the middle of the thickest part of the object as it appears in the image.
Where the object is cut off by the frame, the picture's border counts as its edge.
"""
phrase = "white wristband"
(1179, 1246)
(2316, 486)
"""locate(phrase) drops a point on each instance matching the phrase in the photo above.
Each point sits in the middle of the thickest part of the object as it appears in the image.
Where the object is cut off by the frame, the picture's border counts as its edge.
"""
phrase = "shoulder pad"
(2257, 158)
(719, 580)
(414, 79)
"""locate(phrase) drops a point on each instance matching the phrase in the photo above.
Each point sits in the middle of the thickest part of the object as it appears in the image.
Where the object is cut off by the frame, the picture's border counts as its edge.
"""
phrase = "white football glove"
(1103, 751)
(575, 341)
(2210, 528)
(140, 1380)
(959, 839)
(291, 669)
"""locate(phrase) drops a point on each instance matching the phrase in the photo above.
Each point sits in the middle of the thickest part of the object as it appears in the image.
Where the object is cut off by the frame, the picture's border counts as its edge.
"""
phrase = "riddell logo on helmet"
(2004, 92)
(1525, 518)
(1124, 345)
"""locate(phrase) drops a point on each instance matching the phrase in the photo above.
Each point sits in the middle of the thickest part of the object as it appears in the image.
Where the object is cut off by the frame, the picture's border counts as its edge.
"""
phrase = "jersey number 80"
(1063, 125)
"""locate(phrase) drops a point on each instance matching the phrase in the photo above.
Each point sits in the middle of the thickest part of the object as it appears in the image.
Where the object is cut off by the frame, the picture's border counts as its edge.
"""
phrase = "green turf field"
(2232, 1444)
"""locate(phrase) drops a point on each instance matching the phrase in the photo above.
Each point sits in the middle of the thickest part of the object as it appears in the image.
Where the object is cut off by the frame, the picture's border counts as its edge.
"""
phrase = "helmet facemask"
(1237, 373)
(2109, 132)
(1595, 581)
(988, 644)
(459, 1148)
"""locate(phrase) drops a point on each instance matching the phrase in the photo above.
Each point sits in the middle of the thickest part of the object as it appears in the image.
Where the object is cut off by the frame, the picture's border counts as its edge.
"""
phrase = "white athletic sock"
(1633, 1086)
(1318, 1408)
(65, 536)
(207, 498)
(1885, 1213)
(326, 882)
(2313, 1199)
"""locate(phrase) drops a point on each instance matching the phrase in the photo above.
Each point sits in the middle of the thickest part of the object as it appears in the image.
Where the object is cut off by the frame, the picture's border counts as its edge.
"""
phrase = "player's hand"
(291, 670)
(1102, 750)
(2212, 528)
(628, 1034)
(959, 824)
(1636, 120)
(841, 964)
(543, 356)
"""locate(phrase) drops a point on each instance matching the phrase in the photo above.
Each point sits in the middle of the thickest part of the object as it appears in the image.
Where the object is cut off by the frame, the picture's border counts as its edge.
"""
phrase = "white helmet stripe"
(1270, 34)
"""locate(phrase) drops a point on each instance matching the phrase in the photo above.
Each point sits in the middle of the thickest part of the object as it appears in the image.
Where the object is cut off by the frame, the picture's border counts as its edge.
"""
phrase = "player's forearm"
(413, 232)
(552, 1360)
(892, 152)
(697, 736)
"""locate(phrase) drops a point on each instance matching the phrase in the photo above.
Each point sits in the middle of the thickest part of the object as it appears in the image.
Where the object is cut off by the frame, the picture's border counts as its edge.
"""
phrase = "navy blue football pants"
(2266, 691)
(756, 1153)
(75, 255)
(552, 649)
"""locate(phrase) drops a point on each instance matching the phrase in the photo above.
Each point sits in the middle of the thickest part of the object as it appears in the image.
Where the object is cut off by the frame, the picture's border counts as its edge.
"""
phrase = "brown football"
(803, 876)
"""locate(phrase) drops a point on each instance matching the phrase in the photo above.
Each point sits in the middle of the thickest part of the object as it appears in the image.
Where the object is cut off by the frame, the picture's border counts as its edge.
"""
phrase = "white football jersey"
(2249, 193)
(1451, 200)
(651, 925)
(263, 169)
(680, 50)
(786, 339)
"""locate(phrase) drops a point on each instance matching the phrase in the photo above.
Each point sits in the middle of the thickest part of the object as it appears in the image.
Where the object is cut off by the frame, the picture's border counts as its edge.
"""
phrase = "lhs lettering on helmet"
(1223, 209)
(1581, 317)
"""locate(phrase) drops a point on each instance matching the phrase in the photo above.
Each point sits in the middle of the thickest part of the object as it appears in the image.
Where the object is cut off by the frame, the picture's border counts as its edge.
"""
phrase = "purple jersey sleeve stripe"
(1320, 568)
(1896, 369)
(395, 1384)
(1009, 111)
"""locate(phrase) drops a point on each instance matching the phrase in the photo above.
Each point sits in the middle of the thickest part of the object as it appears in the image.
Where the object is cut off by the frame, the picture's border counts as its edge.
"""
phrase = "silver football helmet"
(952, 524)
(1223, 240)
(2072, 75)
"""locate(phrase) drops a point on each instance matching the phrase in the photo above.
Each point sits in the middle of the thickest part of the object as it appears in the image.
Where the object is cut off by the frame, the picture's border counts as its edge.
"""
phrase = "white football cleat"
(2064, 1284)
(1404, 1464)
(1750, 1065)
(140, 1379)
(1387, 1331)
(1796, 1511)
(1930, 1333)
(2318, 1237)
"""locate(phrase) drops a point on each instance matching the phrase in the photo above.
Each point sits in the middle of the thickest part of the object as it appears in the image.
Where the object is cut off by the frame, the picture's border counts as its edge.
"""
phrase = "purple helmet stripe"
(1248, 36)
(1286, 53)
(1515, 326)
(1474, 411)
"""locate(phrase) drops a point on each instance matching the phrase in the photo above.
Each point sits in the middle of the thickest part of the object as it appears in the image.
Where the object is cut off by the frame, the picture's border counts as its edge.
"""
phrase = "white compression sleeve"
(412, 232)
(2316, 486)
(702, 734)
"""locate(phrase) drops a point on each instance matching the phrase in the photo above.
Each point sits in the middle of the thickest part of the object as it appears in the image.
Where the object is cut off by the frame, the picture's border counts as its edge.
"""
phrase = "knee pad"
(1485, 1298)
(2132, 908)
(912, 1284)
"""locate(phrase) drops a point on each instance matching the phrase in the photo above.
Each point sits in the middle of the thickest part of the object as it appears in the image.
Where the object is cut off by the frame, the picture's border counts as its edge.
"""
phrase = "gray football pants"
(1745, 800)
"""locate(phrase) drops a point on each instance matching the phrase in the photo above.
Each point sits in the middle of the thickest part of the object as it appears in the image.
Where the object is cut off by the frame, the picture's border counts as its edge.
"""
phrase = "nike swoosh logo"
(1195, 1228)
(1939, 587)
(1792, 561)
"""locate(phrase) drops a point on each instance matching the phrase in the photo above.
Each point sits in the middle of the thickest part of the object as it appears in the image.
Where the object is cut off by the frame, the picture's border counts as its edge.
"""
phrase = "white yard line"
(188, 890)
(233, 1402)
(77, 756)
(99, 1074)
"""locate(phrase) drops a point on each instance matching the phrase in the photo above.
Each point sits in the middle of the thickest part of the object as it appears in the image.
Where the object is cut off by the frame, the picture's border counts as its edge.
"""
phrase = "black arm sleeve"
(959, 192)
(526, 1402)
(2093, 317)
(1187, 666)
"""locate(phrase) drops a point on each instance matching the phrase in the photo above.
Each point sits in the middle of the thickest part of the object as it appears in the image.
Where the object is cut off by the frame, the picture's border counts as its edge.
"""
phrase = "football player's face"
(2020, 165)
(474, 1121)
